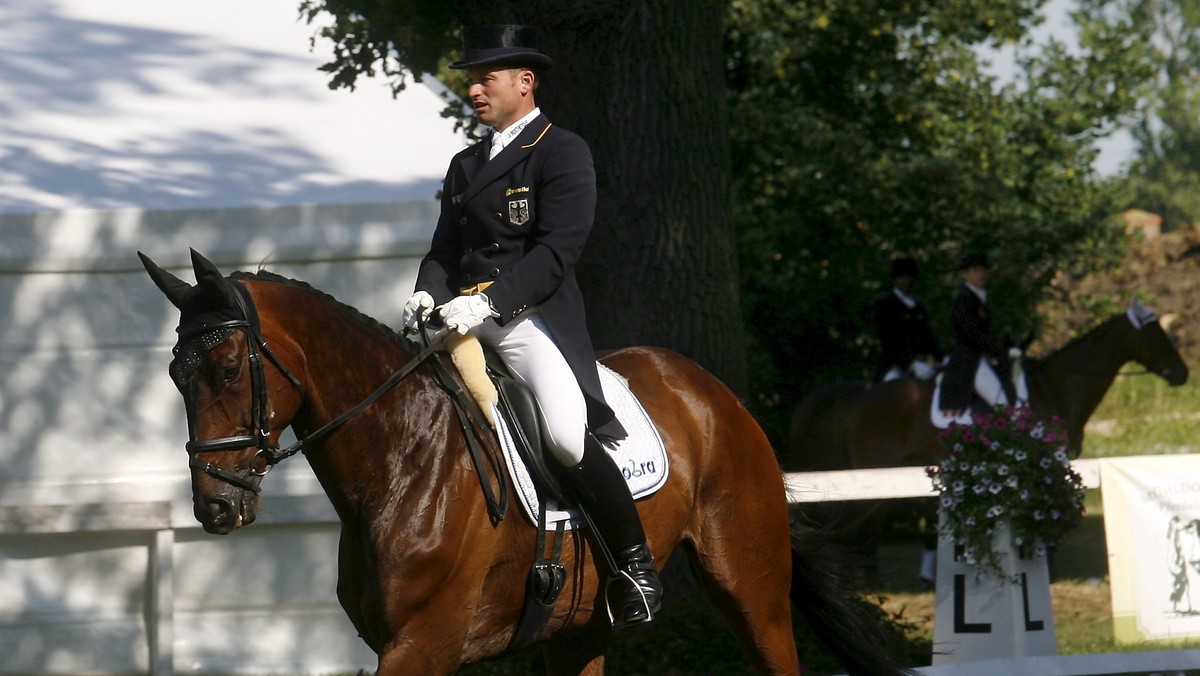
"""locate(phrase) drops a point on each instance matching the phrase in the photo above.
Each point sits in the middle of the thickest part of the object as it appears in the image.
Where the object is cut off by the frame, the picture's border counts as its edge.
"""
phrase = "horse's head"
(219, 369)
(1153, 348)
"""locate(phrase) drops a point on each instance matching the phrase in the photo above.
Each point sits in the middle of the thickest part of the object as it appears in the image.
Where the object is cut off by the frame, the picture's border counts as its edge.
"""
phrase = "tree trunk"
(643, 82)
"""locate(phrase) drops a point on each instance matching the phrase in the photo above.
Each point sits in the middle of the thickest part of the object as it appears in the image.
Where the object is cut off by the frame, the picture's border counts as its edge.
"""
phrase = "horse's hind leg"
(578, 654)
(743, 560)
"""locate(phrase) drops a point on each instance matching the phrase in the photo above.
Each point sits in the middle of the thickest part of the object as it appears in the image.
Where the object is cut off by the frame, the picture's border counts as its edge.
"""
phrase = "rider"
(979, 363)
(516, 212)
(902, 324)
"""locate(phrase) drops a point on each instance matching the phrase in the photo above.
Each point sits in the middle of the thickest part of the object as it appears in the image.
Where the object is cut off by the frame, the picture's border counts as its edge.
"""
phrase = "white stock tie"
(497, 145)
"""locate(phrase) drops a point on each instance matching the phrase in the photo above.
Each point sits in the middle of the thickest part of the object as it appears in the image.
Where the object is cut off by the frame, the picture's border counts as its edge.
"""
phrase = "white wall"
(159, 125)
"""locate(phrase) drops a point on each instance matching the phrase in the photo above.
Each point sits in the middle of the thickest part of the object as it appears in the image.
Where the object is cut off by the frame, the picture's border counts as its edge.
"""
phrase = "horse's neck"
(344, 363)
(1072, 382)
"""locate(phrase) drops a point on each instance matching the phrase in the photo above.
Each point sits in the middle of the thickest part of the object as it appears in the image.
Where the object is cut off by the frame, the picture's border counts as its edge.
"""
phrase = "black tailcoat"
(904, 334)
(521, 221)
(973, 341)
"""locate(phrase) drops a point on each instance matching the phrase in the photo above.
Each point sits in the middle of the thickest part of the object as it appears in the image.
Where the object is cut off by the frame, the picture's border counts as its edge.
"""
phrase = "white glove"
(922, 369)
(420, 304)
(1014, 353)
(466, 312)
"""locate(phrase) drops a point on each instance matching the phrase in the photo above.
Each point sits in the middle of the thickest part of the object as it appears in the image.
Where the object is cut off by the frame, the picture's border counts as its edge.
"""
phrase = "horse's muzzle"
(220, 516)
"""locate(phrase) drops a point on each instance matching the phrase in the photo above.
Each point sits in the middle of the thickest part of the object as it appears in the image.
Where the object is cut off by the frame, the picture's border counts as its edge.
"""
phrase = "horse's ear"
(208, 277)
(1139, 315)
(172, 287)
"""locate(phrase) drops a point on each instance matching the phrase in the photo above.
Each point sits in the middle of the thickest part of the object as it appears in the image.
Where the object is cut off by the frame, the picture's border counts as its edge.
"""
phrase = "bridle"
(207, 337)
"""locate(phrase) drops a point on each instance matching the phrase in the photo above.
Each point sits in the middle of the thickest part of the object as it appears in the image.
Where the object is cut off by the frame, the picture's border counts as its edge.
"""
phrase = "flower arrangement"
(1006, 467)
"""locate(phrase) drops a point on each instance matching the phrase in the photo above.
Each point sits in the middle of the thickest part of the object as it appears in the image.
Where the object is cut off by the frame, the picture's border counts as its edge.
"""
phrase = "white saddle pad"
(942, 419)
(641, 456)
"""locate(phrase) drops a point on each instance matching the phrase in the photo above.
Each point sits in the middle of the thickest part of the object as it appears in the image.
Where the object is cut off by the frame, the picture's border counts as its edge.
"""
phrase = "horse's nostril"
(220, 511)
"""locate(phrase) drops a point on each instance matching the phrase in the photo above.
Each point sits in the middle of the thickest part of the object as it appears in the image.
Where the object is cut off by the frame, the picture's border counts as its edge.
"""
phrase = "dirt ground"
(1161, 270)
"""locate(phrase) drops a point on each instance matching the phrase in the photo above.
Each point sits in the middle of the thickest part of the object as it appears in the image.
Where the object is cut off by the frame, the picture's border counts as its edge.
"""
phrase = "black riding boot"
(605, 500)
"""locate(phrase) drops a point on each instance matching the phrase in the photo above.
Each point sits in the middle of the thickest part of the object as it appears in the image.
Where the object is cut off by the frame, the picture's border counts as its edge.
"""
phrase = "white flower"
(995, 488)
(1020, 455)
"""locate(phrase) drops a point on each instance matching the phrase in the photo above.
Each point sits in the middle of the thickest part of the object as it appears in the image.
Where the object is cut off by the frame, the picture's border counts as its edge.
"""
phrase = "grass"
(1142, 415)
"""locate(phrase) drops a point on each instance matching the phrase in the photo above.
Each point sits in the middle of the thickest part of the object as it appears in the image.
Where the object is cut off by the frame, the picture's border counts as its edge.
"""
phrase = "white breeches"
(530, 353)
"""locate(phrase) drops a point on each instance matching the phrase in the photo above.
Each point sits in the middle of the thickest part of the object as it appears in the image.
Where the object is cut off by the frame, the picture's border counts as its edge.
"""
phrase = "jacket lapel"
(471, 164)
(500, 165)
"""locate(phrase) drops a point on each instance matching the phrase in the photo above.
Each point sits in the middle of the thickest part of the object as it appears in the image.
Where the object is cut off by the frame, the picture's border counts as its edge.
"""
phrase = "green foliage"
(865, 129)
(393, 38)
(1166, 174)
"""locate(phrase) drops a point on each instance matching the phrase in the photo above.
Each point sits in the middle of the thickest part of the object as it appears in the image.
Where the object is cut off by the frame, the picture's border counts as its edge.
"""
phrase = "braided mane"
(353, 313)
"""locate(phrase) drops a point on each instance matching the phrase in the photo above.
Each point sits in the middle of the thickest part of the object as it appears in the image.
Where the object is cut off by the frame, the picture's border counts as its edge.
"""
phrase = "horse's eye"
(231, 373)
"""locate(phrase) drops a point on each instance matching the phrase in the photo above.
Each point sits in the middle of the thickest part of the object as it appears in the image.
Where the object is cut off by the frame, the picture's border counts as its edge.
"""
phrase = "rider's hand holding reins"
(466, 312)
(418, 307)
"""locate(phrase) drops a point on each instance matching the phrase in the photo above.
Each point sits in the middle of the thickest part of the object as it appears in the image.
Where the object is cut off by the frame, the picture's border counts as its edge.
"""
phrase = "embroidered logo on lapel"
(518, 212)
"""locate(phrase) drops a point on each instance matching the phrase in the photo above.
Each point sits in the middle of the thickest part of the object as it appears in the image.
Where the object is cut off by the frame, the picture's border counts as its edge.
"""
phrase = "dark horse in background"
(429, 579)
(860, 425)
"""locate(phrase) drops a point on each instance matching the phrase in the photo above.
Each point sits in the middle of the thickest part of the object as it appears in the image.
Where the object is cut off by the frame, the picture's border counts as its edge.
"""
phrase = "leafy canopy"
(865, 129)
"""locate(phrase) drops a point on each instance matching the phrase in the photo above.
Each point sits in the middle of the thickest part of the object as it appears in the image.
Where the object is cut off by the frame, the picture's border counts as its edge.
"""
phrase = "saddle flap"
(519, 409)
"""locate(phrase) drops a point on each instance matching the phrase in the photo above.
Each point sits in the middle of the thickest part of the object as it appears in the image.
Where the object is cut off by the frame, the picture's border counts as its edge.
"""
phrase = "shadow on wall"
(104, 115)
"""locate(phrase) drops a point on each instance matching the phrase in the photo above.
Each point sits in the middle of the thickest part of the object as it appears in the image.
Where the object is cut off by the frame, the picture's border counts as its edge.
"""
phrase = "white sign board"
(982, 617)
(1152, 524)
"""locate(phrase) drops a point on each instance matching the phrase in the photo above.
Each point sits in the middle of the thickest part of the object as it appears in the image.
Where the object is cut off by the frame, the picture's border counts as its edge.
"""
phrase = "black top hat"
(904, 267)
(501, 45)
(973, 260)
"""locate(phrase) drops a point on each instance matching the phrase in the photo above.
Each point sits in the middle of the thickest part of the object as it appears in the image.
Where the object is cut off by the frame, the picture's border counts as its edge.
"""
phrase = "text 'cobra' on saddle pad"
(640, 456)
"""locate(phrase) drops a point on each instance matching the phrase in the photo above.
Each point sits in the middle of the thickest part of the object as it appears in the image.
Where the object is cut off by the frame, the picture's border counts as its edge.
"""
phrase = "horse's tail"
(841, 620)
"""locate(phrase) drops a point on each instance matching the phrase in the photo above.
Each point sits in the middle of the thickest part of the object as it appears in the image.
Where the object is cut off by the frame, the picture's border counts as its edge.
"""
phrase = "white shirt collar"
(977, 291)
(503, 138)
(908, 300)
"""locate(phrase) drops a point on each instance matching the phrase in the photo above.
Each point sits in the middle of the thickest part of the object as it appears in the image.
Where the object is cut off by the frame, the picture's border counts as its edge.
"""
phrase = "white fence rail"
(888, 483)
(187, 605)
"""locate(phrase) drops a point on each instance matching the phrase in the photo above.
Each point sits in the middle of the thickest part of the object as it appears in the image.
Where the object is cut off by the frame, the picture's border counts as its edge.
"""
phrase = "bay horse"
(431, 580)
(860, 424)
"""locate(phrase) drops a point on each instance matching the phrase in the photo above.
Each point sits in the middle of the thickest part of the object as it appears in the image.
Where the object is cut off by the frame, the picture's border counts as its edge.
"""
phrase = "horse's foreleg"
(577, 654)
